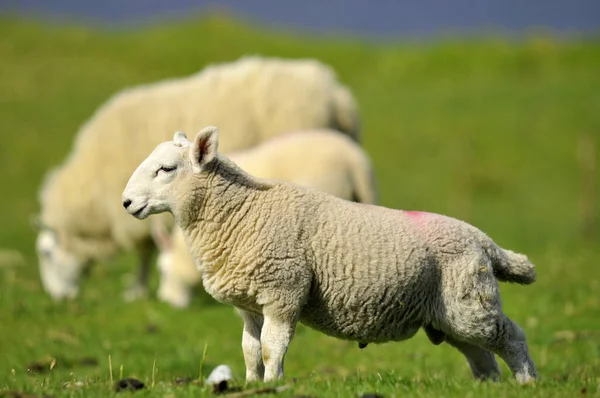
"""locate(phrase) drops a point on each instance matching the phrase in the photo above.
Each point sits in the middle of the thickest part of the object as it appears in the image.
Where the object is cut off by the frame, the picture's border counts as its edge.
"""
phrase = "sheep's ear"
(180, 138)
(204, 148)
(161, 236)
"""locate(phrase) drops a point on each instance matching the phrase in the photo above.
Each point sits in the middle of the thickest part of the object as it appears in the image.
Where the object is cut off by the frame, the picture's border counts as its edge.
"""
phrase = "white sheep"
(321, 158)
(283, 254)
(256, 98)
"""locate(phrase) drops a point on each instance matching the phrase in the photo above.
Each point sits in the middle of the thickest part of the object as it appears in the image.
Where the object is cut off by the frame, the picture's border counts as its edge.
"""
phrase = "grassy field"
(486, 131)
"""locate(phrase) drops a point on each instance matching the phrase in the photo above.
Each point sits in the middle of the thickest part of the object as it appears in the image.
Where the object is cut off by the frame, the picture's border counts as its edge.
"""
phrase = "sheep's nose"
(126, 203)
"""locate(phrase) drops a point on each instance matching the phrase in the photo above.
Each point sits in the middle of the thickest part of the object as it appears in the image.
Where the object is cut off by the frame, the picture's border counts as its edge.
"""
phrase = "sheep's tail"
(345, 112)
(363, 179)
(510, 266)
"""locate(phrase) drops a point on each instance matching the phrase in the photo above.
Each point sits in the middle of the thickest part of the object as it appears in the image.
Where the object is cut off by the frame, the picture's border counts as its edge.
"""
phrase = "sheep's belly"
(364, 324)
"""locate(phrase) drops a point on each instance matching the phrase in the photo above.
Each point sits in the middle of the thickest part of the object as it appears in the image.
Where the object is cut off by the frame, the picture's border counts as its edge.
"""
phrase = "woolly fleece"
(285, 254)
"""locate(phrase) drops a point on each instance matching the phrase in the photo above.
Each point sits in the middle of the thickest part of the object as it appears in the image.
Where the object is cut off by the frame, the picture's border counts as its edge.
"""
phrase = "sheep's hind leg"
(139, 288)
(255, 368)
(481, 361)
(473, 314)
(511, 345)
(493, 331)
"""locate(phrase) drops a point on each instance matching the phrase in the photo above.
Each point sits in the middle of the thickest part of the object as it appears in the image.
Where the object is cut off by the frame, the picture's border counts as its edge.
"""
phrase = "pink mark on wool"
(414, 213)
(417, 216)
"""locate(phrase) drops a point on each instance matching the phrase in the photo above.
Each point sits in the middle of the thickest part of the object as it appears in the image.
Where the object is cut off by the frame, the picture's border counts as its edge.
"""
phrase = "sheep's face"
(152, 187)
(59, 269)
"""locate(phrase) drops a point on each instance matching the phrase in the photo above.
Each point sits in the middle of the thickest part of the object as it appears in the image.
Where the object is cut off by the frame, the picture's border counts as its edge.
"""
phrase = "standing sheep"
(255, 98)
(322, 159)
(283, 254)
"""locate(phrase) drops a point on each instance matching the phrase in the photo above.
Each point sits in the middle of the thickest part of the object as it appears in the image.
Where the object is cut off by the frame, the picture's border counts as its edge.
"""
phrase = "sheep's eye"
(165, 169)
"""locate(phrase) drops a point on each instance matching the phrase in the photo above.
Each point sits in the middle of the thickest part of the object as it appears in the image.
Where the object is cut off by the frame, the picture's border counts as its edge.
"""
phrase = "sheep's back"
(318, 158)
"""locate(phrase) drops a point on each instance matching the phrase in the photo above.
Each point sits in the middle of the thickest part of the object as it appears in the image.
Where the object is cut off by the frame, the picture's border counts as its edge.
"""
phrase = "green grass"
(486, 131)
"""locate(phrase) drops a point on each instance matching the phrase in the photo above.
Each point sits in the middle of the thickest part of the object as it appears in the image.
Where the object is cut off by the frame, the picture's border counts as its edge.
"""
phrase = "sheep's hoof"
(436, 337)
(362, 345)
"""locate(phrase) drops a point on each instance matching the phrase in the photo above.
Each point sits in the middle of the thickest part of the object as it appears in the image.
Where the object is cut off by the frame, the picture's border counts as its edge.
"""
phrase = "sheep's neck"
(218, 221)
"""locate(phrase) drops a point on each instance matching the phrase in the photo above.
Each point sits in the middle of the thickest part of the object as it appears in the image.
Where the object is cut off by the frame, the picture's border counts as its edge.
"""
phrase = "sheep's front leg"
(275, 338)
(253, 324)
(139, 288)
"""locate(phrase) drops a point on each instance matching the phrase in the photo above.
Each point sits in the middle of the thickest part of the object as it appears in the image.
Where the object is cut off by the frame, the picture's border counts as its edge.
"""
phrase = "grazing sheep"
(256, 98)
(283, 253)
(322, 159)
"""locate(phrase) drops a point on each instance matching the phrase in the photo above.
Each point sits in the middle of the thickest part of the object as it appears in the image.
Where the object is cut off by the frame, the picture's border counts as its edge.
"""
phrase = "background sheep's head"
(151, 188)
(60, 270)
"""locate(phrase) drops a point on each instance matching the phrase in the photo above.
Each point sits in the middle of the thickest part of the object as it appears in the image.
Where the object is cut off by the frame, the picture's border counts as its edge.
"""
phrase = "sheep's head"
(151, 188)
(60, 270)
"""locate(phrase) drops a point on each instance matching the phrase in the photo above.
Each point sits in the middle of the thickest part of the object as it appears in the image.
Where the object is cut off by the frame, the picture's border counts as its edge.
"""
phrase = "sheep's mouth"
(139, 211)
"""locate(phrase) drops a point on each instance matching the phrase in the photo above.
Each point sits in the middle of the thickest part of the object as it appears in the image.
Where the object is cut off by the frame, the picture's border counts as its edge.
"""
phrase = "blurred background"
(386, 20)
(485, 111)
